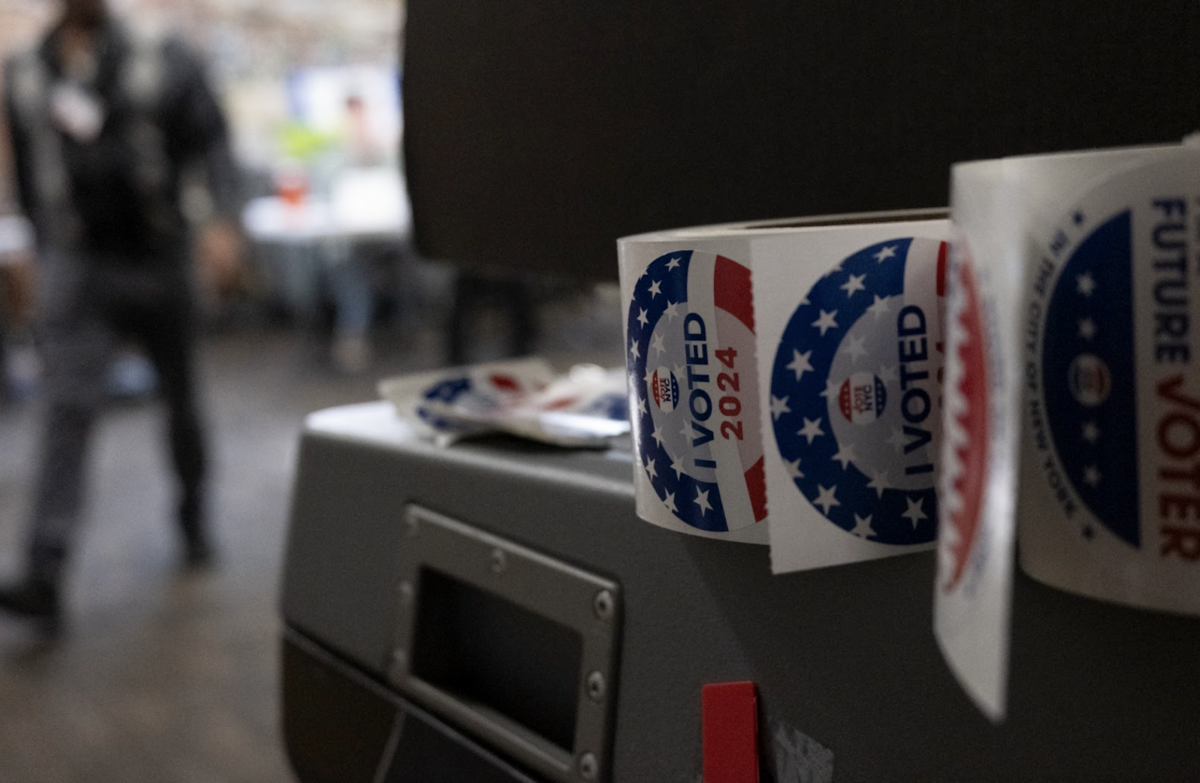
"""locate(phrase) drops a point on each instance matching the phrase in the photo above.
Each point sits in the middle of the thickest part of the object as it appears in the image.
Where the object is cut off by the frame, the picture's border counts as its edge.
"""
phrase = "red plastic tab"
(729, 715)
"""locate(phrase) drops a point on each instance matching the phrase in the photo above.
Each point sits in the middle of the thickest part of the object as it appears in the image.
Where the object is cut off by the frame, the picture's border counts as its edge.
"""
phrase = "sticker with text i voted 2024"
(691, 361)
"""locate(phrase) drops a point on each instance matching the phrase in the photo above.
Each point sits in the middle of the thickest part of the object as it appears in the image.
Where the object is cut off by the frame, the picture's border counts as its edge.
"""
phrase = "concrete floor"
(164, 676)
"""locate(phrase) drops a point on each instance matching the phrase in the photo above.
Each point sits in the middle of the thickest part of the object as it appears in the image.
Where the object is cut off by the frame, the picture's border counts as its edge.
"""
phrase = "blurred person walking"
(17, 376)
(104, 123)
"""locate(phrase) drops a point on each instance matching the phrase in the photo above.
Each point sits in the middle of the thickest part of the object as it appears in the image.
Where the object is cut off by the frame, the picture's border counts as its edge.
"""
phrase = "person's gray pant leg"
(76, 346)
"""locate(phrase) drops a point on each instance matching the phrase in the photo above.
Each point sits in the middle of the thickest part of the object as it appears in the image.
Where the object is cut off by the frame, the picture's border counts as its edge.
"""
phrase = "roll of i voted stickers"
(698, 301)
(1073, 394)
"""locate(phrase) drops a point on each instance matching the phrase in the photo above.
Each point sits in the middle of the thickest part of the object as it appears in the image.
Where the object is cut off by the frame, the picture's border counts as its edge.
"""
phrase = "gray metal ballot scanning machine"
(495, 611)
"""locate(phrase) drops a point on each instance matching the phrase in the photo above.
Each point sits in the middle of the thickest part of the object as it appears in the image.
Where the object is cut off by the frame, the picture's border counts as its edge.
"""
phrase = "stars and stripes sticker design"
(968, 434)
(481, 394)
(856, 389)
(694, 391)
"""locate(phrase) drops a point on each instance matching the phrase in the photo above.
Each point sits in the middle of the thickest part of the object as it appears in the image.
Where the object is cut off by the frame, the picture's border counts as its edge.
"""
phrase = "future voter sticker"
(694, 390)
(968, 433)
(856, 392)
(1114, 390)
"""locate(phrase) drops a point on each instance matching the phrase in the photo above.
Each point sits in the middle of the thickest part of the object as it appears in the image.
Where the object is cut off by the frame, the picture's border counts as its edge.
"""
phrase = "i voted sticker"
(856, 392)
(691, 359)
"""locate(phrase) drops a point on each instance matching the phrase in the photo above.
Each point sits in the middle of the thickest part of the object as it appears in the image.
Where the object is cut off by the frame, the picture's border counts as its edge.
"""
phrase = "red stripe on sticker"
(971, 482)
(756, 484)
(505, 382)
(733, 292)
(729, 721)
(943, 258)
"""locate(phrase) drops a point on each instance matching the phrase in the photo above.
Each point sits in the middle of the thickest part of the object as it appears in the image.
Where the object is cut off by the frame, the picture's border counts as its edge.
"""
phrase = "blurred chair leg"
(354, 304)
(513, 296)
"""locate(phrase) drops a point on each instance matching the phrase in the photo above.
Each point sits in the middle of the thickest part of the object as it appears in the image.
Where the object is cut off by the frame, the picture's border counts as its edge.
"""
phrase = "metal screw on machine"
(499, 561)
(603, 605)
(597, 687)
(589, 767)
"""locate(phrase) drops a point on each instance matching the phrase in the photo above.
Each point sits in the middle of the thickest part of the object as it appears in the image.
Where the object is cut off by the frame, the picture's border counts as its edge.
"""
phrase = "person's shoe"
(197, 545)
(34, 600)
(351, 354)
(197, 553)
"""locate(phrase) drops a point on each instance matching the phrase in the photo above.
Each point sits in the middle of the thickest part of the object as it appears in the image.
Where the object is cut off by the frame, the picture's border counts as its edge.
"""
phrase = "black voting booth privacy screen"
(539, 131)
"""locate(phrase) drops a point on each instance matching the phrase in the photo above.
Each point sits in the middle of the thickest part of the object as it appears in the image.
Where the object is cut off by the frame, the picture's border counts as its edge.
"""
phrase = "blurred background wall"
(262, 57)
